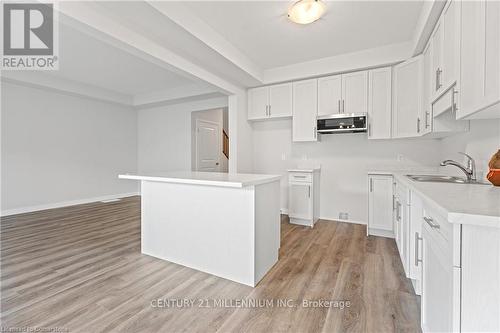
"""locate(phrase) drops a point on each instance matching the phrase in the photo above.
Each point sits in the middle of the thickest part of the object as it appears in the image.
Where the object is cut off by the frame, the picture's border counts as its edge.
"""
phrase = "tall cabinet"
(407, 96)
(305, 108)
(379, 103)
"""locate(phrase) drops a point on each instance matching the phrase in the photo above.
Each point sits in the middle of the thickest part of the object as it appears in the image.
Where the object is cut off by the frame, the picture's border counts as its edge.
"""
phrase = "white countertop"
(461, 203)
(206, 178)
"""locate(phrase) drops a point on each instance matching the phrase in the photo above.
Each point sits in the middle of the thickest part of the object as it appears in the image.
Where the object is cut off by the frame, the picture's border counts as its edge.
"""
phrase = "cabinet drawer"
(300, 177)
(438, 224)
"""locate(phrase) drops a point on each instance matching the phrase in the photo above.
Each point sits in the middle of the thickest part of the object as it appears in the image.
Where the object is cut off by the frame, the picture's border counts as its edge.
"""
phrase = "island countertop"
(220, 179)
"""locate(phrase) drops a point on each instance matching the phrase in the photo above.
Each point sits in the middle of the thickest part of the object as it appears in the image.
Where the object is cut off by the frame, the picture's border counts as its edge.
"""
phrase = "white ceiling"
(90, 61)
(261, 30)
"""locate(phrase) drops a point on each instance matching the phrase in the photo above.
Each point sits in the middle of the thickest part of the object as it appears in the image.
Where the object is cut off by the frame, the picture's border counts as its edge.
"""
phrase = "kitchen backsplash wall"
(480, 142)
(344, 159)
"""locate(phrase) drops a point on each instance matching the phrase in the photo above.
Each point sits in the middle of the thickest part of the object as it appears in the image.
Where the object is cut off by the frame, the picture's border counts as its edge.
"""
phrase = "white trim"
(342, 63)
(340, 220)
(284, 211)
(45, 82)
(29, 209)
(380, 233)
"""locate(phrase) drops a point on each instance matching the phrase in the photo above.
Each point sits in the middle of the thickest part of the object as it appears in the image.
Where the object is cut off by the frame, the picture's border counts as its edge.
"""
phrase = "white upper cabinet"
(258, 103)
(379, 103)
(426, 110)
(436, 43)
(446, 45)
(329, 95)
(480, 60)
(451, 44)
(270, 102)
(305, 109)
(346, 93)
(355, 92)
(407, 94)
(280, 100)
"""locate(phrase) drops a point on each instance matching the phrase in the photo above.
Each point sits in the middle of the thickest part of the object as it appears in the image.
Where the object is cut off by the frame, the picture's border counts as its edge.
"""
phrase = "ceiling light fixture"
(306, 11)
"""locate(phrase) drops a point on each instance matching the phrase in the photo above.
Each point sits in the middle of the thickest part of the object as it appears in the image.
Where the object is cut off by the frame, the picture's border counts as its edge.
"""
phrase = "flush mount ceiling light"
(306, 11)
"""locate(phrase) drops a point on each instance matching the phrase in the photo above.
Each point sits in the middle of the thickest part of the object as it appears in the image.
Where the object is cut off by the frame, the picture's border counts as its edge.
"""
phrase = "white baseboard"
(381, 233)
(285, 212)
(340, 220)
(29, 209)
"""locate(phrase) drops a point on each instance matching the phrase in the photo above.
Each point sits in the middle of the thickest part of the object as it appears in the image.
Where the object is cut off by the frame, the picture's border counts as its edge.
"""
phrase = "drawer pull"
(300, 176)
(417, 238)
(431, 223)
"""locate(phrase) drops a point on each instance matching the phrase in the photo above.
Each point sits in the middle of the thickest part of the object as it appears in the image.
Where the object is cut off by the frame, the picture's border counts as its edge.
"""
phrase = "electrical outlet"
(283, 156)
(343, 216)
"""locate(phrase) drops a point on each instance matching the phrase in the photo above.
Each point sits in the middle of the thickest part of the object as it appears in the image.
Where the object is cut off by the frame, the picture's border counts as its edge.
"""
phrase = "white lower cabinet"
(401, 226)
(454, 267)
(380, 205)
(415, 240)
(440, 303)
(303, 197)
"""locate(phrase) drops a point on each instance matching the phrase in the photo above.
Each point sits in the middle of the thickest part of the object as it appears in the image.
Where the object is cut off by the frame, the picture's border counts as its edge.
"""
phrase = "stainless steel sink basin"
(442, 179)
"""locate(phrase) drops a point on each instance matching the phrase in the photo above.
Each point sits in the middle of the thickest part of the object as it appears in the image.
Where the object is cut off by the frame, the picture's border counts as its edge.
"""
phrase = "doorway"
(210, 141)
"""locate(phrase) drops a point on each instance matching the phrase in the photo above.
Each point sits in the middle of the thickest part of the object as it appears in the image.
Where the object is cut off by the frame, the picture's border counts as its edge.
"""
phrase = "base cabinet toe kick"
(229, 231)
(453, 263)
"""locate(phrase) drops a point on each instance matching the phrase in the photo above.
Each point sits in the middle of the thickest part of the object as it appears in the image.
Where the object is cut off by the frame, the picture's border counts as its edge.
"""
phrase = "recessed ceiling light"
(306, 11)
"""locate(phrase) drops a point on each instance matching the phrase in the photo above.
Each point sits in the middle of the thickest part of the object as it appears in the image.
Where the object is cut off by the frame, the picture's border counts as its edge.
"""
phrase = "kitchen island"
(224, 224)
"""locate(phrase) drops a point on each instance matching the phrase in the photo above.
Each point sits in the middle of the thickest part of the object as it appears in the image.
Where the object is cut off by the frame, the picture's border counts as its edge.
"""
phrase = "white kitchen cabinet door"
(258, 103)
(379, 103)
(355, 92)
(437, 56)
(451, 44)
(426, 110)
(280, 100)
(407, 96)
(380, 205)
(305, 108)
(300, 197)
(480, 59)
(329, 95)
(415, 245)
(437, 284)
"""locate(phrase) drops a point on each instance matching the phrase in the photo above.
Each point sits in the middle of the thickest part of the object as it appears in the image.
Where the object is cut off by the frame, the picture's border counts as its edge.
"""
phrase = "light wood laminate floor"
(80, 269)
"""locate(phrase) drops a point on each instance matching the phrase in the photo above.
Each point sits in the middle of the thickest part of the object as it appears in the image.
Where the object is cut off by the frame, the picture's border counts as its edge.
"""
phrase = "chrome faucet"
(470, 170)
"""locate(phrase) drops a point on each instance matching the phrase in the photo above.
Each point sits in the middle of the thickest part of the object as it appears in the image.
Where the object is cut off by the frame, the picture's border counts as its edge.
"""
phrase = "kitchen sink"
(442, 179)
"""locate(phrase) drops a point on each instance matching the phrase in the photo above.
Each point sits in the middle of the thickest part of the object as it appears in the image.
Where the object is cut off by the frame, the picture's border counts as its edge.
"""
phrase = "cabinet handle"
(393, 202)
(398, 211)
(269, 110)
(309, 189)
(417, 238)
(315, 132)
(340, 110)
(418, 125)
(297, 176)
(427, 114)
(431, 223)
(371, 184)
(369, 129)
(343, 106)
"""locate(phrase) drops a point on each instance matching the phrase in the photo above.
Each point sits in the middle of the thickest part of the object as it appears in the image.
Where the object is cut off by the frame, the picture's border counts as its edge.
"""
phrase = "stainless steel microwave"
(342, 123)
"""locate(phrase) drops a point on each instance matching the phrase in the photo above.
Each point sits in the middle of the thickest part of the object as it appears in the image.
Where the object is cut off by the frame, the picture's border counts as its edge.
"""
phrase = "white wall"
(345, 160)
(481, 142)
(164, 135)
(58, 148)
